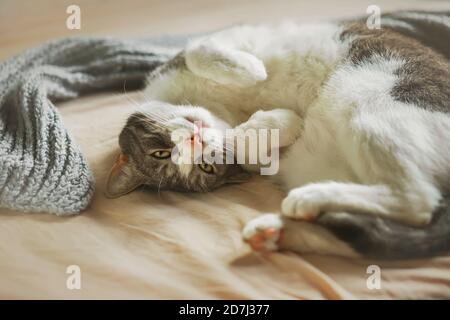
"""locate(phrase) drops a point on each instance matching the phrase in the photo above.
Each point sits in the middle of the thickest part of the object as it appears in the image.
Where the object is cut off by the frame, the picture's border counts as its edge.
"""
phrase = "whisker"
(159, 187)
(127, 95)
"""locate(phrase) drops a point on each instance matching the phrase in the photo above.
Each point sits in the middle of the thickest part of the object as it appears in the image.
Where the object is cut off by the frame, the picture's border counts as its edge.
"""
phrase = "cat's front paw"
(224, 65)
(264, 233)
(285, 121)
(304, 203)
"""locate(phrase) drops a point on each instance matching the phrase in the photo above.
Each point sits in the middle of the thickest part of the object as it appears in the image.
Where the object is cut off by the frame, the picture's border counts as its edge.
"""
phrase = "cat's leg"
(388, 163)
(307, 202)
(257, 142)
(270, 232)
(225, 58)
(287, 122)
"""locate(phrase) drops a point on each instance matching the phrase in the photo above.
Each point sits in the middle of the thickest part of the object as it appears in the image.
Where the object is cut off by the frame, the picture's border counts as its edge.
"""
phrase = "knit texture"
(41, 166)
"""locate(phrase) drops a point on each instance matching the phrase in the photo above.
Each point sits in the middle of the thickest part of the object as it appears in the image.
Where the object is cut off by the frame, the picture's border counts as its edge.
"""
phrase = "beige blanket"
(171, 245)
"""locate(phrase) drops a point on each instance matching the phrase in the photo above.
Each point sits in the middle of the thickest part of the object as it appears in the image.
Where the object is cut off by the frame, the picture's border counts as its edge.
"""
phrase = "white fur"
(356, 152)
(294, 235)
(264, 222)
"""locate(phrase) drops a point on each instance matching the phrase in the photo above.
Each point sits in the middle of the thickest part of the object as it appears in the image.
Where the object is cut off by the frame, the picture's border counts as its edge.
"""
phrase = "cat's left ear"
(122, 178)
(237, 175)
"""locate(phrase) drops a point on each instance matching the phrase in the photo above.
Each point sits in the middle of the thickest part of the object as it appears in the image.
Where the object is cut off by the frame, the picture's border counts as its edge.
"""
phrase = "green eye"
(161, 154)
(206, 168)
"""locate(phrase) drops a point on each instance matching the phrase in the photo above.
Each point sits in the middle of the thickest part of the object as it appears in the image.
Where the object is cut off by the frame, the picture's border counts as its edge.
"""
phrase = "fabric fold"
(42, 169)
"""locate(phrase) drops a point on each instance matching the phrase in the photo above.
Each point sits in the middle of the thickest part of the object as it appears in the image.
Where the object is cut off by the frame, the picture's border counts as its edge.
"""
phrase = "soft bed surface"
(171, 245)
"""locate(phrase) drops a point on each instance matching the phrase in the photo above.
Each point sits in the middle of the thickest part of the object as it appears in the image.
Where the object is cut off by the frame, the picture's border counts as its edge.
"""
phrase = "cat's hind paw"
(264, 233)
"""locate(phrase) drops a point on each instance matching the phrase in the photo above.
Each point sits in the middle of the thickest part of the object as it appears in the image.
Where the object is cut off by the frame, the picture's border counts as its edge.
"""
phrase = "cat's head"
(148, 149)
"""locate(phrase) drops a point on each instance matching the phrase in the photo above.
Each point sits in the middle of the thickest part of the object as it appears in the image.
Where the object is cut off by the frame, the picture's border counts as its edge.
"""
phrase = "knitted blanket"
(41, 166)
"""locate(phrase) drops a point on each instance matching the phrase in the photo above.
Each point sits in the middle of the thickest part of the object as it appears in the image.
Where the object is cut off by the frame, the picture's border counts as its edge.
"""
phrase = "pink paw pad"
(262, 240)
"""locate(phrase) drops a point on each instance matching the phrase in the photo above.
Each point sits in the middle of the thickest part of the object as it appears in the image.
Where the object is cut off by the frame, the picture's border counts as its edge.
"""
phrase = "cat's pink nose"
(196, 139)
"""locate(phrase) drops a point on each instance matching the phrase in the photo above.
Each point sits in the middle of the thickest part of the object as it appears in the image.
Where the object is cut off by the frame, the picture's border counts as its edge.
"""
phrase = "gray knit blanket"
(41, 167)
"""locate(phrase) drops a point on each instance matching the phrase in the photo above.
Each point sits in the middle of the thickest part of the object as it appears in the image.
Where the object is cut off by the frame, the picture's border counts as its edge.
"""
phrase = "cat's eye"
(207, 168)
(161, 154)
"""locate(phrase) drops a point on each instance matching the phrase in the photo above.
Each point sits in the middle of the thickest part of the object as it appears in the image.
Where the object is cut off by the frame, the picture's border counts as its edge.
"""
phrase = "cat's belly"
(319, 154)
(299, 167)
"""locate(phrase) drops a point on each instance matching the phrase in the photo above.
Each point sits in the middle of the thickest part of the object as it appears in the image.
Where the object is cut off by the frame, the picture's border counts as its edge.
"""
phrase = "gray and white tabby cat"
(364, 120)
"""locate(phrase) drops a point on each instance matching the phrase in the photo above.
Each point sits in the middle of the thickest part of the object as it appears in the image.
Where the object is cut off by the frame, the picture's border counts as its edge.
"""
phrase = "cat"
(364, 130)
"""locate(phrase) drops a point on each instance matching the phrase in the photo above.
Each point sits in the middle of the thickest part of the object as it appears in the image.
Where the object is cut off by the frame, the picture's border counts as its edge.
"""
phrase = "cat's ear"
(237, 175)
(122, 178)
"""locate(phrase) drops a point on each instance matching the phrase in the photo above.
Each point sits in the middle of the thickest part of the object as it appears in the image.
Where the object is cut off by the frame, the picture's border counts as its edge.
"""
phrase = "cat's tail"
(374, 237)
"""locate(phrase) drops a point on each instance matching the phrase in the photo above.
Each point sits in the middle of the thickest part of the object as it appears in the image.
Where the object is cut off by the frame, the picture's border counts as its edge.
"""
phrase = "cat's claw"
(264, 233)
